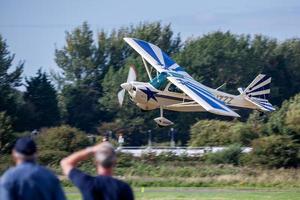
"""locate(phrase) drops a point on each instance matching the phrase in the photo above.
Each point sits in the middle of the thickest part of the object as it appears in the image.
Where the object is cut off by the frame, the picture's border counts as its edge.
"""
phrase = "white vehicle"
(174, 89)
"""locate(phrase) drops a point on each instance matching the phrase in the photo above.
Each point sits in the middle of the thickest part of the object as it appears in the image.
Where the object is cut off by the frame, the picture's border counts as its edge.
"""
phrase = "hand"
(96, 147)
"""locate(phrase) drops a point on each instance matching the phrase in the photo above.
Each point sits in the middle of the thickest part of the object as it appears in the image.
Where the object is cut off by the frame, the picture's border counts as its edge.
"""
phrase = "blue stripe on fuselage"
(204, 97)
(206, 92)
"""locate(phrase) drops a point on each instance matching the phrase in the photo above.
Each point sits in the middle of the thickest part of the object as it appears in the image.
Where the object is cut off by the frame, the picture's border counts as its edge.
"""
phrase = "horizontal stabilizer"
(261, 104)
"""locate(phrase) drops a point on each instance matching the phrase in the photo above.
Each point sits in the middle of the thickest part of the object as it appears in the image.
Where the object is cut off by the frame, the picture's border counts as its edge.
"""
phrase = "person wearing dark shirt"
(28, 180)
(103, 186)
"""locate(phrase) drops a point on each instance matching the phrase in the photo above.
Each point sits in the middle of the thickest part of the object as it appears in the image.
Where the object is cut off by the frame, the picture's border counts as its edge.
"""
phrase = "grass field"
(206, 194)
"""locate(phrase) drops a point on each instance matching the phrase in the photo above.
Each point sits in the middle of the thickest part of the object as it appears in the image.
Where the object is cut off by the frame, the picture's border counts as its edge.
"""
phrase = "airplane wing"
(155, 56)
(202, 96)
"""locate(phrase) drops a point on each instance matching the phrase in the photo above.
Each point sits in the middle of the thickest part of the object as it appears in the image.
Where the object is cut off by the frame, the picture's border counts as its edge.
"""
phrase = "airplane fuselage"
(147, 97)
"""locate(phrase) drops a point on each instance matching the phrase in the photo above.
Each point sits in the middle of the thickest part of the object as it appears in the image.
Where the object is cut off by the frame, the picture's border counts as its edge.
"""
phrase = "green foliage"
(125, 160)
(63, 138)
(221, 57)
(285, 121)
(83, 65)
(77, 58)
(170, 170)
(9, 79)
(275, 124)
(41, 102)
(285, 70)
(279, 149)
(293, 118)
(210, 133)
(51, 157)
(82, 108)
(220, 133)
(275, 151)
(12, 79)
(218, 58)
(6, 162)
(58, 142)
(230, 155)
(6, 132)
(243, 133)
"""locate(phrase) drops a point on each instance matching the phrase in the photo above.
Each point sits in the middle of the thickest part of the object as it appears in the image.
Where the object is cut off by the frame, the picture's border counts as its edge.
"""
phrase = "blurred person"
(28, 180)
(103, 186)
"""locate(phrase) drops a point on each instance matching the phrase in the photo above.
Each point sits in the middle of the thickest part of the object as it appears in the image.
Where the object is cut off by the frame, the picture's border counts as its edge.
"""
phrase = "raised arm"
(70, 162)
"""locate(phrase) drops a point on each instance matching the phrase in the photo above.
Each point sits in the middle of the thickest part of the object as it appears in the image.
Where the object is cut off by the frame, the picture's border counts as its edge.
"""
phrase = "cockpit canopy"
(161, 82)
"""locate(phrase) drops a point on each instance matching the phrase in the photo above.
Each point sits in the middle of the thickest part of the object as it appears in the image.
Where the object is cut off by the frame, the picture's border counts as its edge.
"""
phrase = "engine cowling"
(139, 96)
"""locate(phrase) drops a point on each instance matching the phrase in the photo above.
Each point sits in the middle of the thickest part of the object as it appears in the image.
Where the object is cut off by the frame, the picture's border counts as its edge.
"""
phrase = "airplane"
(174, 89)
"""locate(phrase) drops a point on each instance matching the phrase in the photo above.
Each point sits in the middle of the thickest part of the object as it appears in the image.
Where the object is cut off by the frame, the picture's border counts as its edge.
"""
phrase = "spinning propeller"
(132, 75)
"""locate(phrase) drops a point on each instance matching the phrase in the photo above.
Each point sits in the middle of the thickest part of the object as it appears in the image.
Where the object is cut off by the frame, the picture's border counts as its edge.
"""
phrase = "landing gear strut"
(162, 121)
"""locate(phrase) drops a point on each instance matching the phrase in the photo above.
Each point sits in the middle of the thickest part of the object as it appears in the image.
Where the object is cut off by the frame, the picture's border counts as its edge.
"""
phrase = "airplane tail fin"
(258, 92)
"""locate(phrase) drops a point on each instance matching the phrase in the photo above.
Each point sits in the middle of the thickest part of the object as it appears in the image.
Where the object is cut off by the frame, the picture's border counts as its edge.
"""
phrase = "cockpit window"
(174, 88)
(160, 81)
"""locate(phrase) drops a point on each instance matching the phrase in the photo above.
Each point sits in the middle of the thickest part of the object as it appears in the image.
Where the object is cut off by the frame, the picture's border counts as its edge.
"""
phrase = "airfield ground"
(190, 193)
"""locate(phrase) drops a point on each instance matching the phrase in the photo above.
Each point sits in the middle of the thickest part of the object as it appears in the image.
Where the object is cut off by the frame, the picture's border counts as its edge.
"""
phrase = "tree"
(210, 133)
(9, 79)
(293, 118)
(218, 58)
(41, 100)
(284, 67)
(82, 65)
(57, 142)
(6, 132)
(82, 107)
(62, 138)
(230, 155)
(243, 134)
(275, 151)
(285, 121)
(77, 58)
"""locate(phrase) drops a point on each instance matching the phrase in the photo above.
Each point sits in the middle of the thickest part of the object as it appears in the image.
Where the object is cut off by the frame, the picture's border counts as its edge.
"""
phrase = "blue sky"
(34, 28)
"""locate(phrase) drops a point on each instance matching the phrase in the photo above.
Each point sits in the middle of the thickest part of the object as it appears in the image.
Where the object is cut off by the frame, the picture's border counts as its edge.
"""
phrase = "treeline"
(92, 67)
(274, 137)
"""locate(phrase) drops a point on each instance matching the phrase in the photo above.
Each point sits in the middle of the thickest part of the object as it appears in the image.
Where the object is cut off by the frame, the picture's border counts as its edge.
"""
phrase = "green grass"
(188, 193)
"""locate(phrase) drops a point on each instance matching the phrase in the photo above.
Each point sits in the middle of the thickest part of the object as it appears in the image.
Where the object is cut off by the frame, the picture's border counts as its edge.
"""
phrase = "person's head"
(24, 150)
(105, 158)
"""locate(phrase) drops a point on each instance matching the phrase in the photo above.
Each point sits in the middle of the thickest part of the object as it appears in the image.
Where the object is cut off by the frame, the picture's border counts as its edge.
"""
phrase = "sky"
(33, 29)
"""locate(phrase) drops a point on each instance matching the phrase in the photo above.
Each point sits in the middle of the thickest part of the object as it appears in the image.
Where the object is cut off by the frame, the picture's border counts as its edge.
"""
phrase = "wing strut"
(147, 69)
(161, 111)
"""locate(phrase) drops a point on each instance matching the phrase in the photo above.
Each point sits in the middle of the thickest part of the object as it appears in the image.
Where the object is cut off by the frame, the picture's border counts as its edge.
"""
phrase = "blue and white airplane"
(174, 89)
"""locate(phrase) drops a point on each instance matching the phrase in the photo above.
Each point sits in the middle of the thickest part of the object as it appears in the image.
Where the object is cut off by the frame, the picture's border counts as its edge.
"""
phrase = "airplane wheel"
(145, 110)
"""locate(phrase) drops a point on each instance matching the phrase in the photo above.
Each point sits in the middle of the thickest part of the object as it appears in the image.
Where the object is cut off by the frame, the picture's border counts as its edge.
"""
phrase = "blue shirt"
(100, 187)
(30, 181)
